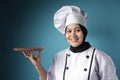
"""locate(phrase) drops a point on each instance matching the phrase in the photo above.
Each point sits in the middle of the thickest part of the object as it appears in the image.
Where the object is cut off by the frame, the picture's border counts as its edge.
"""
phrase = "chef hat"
(68, 15)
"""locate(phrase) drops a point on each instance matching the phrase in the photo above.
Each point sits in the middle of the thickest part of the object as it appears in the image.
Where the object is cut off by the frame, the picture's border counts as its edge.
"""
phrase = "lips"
(74, 39)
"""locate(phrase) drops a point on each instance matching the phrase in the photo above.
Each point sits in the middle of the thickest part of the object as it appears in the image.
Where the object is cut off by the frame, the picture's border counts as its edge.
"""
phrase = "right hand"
(35, 59)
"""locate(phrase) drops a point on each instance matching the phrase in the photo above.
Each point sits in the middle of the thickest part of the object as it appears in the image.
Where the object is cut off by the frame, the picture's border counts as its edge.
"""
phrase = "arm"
(36, 62)
(108, 70)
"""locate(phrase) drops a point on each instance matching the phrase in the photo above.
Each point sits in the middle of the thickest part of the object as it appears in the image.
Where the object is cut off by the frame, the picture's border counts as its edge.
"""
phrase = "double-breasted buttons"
(67, 68)
(87, 56)
(85, 69)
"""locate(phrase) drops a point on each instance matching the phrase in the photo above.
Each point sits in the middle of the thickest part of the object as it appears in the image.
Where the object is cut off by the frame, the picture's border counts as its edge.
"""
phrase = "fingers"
(24, 53)
(27, 54)
(38, 56)
(30, 53)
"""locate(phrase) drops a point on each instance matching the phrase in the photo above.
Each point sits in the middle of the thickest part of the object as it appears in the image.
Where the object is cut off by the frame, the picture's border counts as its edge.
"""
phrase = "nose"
(73, 33)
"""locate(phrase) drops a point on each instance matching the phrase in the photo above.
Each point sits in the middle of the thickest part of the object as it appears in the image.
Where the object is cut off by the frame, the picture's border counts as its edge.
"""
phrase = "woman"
(81, 61)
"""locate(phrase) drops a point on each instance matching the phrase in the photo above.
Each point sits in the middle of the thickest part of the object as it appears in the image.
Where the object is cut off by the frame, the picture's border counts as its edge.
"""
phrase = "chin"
(74, 45)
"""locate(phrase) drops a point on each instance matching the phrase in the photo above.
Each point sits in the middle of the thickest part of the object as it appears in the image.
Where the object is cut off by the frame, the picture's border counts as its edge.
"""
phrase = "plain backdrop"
(29, 23)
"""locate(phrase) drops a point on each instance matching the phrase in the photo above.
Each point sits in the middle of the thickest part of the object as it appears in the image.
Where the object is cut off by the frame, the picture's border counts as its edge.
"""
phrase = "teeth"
(74, 39)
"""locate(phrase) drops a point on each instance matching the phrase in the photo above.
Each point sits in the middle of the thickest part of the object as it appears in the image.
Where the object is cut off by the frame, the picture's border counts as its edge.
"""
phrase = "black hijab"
(84, 46)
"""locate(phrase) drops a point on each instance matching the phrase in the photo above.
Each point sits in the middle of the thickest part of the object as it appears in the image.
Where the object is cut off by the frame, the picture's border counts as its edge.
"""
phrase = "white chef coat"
(76, 66)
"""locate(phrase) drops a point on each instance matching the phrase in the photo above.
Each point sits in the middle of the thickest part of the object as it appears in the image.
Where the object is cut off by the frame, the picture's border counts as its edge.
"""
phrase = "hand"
(35, 59)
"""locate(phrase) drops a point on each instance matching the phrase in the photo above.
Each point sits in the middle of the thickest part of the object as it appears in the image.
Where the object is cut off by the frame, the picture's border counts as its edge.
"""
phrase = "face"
(74, 35)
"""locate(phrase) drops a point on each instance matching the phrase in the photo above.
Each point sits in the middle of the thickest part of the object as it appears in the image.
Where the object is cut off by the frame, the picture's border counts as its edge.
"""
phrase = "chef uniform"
(83, 62)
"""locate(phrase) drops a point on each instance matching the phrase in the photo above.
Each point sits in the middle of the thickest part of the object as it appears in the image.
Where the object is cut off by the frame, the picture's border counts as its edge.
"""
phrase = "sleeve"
(108, 70)
(51, 71)
(49, 74)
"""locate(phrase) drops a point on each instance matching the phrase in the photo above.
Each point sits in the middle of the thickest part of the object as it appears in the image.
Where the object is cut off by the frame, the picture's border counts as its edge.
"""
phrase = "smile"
(74, 39)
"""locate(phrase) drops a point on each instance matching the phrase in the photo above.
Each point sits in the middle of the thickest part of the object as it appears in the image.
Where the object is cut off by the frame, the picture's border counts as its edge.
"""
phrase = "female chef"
(81, 61)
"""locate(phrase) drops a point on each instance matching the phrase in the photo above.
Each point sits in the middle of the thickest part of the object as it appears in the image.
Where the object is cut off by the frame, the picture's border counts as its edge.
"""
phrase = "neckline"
(84, 46)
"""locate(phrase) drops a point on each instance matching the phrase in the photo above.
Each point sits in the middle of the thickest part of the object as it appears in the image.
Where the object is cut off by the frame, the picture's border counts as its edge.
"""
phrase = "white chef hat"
(68, 15)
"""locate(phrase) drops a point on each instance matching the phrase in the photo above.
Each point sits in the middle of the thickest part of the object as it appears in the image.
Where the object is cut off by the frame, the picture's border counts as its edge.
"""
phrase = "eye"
(68, 31)
(78, 30)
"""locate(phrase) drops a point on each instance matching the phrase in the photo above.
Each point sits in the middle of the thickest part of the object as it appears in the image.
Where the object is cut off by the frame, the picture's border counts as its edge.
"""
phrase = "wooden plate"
(27, 49)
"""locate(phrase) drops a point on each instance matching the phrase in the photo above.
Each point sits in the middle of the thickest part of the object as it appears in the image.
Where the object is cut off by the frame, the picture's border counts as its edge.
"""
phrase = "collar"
(84, 46)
